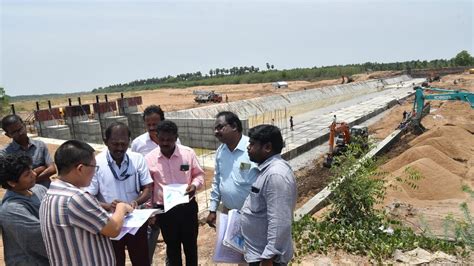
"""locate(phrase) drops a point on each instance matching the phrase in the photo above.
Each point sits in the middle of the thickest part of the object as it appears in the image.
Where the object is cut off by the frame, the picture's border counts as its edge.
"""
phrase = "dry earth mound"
(425, 151)
(443, 156)
(452, 132)
(446, 146)
(437, 183)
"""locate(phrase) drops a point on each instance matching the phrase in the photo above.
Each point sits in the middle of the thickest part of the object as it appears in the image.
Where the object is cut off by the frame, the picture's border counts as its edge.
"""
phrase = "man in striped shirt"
(75, 228)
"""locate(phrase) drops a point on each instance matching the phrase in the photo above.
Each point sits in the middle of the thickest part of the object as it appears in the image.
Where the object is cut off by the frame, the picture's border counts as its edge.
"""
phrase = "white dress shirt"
(124, 183)
(143, 144)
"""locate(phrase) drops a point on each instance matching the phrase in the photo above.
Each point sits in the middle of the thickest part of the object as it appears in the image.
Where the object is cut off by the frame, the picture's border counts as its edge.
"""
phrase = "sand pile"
(460, 134)
(437, 183)
(443, 157)
(467, 126)
(425, 151)
(447, 147)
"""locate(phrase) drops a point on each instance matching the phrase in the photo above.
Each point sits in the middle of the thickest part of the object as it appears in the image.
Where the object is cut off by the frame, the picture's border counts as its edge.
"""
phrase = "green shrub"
(353, 224)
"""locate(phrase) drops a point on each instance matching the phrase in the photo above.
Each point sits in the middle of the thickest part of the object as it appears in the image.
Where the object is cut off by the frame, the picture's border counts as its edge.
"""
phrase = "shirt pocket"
(256, 204)
(241, 175)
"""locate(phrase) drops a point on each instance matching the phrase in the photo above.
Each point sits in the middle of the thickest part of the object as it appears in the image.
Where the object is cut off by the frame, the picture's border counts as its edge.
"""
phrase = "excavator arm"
(450, 95)
(420, 108)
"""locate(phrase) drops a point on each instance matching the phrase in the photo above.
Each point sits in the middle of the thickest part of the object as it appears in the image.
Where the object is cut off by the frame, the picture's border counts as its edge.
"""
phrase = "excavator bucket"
(328, 161)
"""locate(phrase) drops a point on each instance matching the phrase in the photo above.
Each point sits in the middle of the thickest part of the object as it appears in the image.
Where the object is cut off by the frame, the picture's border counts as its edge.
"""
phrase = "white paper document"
(126, 230)
(233, 236)
(174, 194)
(135, 220)
(222, 253)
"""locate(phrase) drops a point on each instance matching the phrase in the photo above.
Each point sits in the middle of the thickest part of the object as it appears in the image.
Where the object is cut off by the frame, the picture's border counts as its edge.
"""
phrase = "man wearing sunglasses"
(123, 176)
(43, 165)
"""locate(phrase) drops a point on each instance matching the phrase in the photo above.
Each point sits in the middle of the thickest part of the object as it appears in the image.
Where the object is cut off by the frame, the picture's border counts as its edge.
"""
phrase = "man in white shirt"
(148, 141)
(123, 176)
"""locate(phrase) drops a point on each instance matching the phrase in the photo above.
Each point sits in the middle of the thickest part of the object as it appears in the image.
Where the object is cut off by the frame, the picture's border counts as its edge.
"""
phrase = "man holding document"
(177, 176)
(267, 214)
(123, 177)
(234, 173)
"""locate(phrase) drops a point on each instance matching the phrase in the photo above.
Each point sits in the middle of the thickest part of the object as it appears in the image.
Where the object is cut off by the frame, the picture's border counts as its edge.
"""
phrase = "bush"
(353, 224)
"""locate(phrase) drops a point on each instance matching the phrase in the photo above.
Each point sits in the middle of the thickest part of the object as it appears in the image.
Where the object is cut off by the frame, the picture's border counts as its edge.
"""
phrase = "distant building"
(280, 84)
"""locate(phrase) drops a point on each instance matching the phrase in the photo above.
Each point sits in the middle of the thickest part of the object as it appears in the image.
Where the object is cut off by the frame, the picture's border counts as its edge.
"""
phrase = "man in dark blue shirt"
(43, 164)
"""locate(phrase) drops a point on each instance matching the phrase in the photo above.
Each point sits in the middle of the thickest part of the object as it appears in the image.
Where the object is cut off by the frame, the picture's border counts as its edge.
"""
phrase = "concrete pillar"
(135, 123)
(89, 131)
(58, 132)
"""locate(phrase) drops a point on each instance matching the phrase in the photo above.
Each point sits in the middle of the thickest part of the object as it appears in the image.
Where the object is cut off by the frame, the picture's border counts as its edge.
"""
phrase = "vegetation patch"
(354, 225)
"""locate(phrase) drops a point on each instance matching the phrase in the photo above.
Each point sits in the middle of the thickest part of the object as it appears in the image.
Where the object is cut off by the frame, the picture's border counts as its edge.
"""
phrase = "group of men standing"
(87, 204)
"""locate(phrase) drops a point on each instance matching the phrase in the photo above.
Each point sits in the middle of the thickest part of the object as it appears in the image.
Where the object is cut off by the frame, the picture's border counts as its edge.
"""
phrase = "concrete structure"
(89, 131)
(310, 127)
(319, 200)
(105, 114)
(277, 109)
(74, 114)
(58, 132)
(112, 119)
(135, 123)
(47, 124)
(129, 107)
(199, 133)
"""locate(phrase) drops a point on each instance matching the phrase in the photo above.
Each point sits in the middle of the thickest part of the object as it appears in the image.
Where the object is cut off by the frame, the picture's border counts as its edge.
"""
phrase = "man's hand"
(123, 207)
(113, 205)
(38, 170)
(107, 206)
(211, 219)
(134, 204)
(268, 262)
(191, 190)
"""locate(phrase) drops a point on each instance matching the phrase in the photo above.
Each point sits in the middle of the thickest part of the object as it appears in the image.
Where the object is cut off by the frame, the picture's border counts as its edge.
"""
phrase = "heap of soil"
(450, 131)
(445, 145)
(437, 183)
(443, 156)
(425, 151)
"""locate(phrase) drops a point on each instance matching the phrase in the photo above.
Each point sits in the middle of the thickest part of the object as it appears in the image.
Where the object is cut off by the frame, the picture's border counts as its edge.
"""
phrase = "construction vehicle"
(420, 109)
(208, 96)
(340, 135)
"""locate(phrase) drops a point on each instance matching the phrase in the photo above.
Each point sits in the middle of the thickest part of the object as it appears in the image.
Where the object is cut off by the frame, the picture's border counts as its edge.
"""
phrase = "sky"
(72, 46)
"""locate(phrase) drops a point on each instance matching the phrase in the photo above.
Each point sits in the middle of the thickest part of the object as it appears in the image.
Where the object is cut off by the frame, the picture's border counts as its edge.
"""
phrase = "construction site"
(375, 105)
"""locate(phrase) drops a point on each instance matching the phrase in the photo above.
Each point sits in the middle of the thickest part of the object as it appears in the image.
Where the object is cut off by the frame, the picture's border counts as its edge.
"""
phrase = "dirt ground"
(443, 155)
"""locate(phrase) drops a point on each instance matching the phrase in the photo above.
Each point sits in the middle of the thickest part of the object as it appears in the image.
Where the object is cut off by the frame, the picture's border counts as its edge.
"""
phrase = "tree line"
(252, 74)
